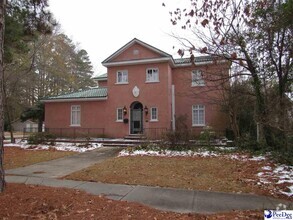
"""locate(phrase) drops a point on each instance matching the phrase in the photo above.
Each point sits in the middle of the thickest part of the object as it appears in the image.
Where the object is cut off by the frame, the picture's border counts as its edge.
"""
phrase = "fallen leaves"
(40, 202)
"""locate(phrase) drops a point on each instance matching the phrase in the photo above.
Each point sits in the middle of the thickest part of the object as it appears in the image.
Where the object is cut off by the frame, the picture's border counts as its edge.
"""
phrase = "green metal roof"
(88, 94)
(101, 77)
(198, 59)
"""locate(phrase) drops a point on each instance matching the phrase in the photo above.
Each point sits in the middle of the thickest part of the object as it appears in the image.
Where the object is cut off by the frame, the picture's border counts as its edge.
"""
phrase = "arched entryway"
(136, 118)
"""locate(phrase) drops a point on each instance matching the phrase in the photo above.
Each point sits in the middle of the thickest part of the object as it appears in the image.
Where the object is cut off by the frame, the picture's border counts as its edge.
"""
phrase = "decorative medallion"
(135, 91)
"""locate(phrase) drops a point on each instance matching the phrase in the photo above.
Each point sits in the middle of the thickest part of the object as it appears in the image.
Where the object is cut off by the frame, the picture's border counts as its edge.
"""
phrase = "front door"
(136, 125)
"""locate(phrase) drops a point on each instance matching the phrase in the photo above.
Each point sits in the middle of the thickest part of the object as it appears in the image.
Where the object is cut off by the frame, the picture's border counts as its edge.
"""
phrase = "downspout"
(173, 108)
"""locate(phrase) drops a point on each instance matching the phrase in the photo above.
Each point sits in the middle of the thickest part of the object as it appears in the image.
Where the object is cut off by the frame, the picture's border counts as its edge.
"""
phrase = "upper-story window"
(152, 75)
(197, 78)
(122, 77)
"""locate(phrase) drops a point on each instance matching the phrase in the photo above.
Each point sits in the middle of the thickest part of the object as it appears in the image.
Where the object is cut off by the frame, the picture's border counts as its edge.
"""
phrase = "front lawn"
(213, 173)
(17, 157)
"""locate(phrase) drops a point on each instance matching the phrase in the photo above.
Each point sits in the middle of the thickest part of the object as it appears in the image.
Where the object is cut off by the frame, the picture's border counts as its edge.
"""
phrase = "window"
(119, 114)
(198, 115)
(75, 115)
(152, 75)
(122, 77)
(154, 114)
(197, 78)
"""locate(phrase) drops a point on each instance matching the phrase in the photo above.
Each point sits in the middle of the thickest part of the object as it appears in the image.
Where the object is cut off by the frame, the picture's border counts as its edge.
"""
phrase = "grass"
(17, 157)
(215, 174)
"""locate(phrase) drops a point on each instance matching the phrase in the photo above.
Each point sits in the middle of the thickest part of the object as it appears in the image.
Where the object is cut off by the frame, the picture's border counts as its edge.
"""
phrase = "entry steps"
(135, 137)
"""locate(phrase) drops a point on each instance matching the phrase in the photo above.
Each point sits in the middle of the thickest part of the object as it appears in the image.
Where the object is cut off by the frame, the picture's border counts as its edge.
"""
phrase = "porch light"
(146, 110)
(124, 110)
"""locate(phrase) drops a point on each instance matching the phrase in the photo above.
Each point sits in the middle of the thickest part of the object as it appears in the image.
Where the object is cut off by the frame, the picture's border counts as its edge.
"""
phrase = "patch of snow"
(226, 148)
(12, 145)
(259, 158)
(166, 153)
(285, 181)
(281, 174)
(61, 146)
(266, 168)
(264, 181)
(290, 193)
(260, 174)
(234, 157)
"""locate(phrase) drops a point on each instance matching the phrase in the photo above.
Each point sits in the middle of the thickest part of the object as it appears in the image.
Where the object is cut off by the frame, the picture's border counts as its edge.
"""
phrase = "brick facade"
(146, 90)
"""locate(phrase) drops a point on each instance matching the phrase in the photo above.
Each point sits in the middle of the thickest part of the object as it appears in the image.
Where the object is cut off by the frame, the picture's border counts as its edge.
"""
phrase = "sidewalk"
(169, 199)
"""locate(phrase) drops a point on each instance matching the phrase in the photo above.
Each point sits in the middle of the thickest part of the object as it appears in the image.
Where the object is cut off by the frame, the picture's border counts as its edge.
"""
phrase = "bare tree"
(254, 35)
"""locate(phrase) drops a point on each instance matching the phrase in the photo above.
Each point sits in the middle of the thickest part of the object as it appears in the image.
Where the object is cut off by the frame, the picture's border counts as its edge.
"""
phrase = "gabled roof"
(84, 95)
(163, 55)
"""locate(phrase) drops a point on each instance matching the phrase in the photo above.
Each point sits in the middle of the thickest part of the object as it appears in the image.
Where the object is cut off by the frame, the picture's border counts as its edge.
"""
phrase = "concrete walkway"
(66, 165)
(176, 200)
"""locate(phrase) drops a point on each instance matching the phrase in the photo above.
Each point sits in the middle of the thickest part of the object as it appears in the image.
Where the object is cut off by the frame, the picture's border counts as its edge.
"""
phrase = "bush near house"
(41, 137)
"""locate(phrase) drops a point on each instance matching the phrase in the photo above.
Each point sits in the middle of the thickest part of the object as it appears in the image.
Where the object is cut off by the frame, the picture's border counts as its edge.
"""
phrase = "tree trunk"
(283, 120)
(234, 123)
(6, 108)
(2, 28)
(261, 112)
(260, 109)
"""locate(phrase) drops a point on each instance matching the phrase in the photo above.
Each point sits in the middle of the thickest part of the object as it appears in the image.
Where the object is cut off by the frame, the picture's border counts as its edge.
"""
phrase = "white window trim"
(204, 115)
(117, 114)
(197, 82)
(71, 116)
(152, 81)
(157, 114)
(123, 72)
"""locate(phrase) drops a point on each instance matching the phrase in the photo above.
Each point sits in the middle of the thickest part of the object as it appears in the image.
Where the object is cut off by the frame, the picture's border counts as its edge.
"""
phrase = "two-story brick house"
(143, 91)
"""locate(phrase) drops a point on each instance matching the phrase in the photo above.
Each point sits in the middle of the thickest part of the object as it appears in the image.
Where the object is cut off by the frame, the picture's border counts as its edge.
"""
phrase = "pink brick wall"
(95, 114)
(155, 94)
(209, 95)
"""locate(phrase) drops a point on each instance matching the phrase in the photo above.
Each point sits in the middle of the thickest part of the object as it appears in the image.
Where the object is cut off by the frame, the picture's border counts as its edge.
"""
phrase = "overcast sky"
(103, 27)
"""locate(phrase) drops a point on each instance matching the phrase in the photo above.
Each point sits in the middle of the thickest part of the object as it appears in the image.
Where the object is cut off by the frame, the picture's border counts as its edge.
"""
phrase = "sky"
(103, 27)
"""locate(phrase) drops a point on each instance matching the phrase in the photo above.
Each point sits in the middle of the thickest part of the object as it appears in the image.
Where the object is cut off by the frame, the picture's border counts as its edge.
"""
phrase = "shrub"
(284, 157)
(178, 139)
(248, 143)
(207, 135)
(41, 137)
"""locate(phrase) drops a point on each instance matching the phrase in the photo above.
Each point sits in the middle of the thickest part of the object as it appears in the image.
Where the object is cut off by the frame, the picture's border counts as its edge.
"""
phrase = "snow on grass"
(200, 152)
(269, 174)
(165, 153)
(61, 146)
(290, 193)
(279, 174)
